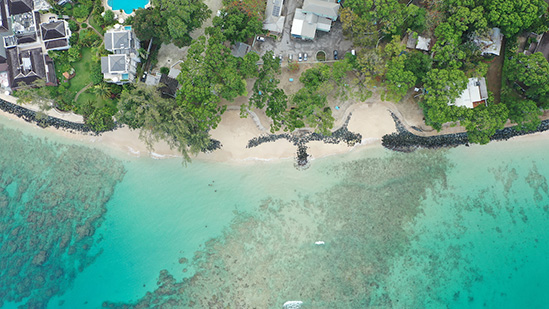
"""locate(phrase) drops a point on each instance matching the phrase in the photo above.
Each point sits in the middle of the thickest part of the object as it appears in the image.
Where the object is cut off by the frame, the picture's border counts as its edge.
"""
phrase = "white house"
(120, 67)
(315, 15)
(475, 94)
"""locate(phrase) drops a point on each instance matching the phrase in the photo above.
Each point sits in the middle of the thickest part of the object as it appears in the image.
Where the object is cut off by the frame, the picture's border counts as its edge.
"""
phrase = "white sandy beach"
(371, 119)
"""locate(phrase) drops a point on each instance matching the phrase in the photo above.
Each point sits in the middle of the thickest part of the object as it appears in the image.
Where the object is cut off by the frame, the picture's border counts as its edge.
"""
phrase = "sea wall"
(405, 141)
(301, 138)
(44, 121)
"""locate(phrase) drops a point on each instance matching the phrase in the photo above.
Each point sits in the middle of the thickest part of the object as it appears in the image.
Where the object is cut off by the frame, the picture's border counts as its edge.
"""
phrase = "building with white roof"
(475, 94)
(315, 15)
(418, 42)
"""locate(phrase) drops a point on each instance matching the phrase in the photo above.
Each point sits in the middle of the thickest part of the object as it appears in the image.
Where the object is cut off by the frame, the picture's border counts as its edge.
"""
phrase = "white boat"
(320, 242)
(292, 304)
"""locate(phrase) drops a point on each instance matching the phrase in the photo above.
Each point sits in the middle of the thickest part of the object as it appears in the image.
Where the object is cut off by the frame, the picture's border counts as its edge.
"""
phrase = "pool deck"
(121, 13)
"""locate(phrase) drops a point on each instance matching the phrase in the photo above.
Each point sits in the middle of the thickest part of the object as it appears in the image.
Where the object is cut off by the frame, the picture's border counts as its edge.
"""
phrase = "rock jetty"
(44, 121)
(405, 141)
(301, 138)
(73, 127)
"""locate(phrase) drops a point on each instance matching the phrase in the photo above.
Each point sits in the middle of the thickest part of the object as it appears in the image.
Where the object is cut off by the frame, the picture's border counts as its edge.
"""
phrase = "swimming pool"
(125, 76)
(127, 5)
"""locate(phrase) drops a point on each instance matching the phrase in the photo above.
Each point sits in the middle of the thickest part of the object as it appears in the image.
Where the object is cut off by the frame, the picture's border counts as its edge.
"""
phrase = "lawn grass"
(82, 69)
(99, 102)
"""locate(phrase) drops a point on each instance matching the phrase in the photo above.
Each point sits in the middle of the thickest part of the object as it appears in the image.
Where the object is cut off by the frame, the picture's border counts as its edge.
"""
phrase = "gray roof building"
(327, 9)
(121, 67)
(274, 21)
(543, 46)
(419, 42)
(115, 64)
(168, 86)
(120, 41)
(4, 23)
(240, 49)
(27, 66)
(55, 35)
(490, 42)
(20, 6)
(53, 30)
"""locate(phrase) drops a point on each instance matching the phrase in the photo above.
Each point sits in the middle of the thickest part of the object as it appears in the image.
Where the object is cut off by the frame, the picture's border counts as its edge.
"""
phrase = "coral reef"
(52, 200)
(267, 258)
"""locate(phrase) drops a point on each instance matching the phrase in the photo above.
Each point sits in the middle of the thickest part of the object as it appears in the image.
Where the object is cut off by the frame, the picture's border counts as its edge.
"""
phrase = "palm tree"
(102, 90)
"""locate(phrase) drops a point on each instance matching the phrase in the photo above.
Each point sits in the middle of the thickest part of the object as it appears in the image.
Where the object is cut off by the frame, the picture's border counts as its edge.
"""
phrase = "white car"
(305, 57)
(260, 39)
(290, 57)
(300, 57)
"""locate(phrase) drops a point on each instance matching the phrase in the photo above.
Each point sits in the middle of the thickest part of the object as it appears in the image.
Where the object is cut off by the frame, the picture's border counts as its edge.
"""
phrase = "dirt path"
(494, 75)
(90, 26)
(82, 90)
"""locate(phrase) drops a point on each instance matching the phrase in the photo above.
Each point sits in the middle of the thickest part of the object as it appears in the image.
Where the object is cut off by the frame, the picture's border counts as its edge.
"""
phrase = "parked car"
(280, 57)
(300, 57)
(335, 55)
(260, 39)
(353, 52)
(305, 57)
(290, 57)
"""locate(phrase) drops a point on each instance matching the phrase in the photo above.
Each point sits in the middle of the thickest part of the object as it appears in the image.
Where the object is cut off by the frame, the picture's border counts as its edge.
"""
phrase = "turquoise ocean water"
(85, 228)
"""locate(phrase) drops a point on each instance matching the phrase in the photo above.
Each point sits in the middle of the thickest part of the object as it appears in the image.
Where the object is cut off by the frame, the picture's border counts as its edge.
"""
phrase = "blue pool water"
(127, 5)
(128, 27)
(125, 76)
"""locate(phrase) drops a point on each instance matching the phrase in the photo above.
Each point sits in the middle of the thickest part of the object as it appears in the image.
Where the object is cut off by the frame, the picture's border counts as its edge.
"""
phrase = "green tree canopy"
(525, 113)
(398, 78)
(170, 21)
(309, 109)
(238, 25)
(209, 74)
(515, 16)
(482, 122)
(161, 119)
(531, 71)
(441, 87)
(266, 92)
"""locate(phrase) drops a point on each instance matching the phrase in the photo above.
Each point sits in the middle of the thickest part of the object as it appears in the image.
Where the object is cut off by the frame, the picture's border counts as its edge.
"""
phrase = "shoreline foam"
(372, 121)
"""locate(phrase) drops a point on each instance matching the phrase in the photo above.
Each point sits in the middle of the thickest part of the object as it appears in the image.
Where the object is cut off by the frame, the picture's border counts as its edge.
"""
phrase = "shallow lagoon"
(462, 228)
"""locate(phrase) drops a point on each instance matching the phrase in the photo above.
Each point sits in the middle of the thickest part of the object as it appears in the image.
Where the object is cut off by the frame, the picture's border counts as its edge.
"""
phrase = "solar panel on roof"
(276, 11)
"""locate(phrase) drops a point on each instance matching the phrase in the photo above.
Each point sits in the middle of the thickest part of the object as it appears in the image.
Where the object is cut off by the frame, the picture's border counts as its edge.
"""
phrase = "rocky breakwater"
(44, 121)
(405, 141)
(301, 138)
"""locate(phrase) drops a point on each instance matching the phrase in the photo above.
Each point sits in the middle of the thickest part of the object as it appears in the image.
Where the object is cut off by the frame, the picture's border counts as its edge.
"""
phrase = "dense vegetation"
(211, 74)
(170, 21)
(377, 26)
